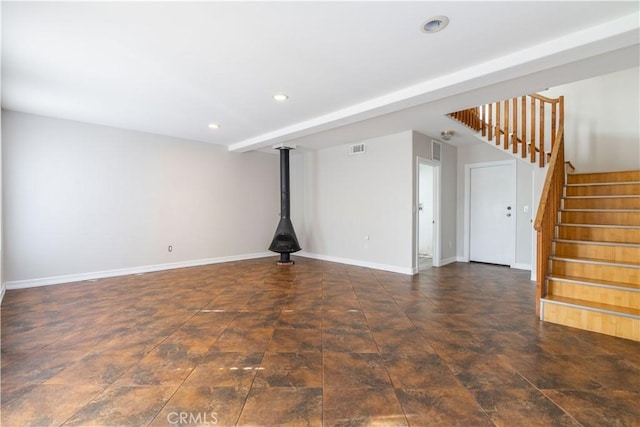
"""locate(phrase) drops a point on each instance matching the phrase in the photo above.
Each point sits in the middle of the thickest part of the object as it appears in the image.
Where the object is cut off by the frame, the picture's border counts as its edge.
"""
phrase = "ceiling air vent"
(435, 150)
(356, 149)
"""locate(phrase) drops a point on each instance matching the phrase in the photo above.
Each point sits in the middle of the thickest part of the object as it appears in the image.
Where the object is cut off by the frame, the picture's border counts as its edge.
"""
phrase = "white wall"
(2, 282)
(602, 121)
(84, 199)
(524, 220)
(449, 203)
(348, 197)
(483, 152)
(538, 177)
(301, 169)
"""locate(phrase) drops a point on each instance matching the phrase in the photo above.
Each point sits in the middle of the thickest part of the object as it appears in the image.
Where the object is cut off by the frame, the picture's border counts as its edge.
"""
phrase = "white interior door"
(491, 214)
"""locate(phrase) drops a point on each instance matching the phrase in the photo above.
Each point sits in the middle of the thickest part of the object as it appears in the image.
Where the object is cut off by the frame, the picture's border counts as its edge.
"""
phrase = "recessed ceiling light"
(280, 97)
(435, 24)
(214, 126)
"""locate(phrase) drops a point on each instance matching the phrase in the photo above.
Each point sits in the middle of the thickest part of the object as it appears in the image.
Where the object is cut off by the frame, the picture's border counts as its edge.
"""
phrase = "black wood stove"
(284, 241)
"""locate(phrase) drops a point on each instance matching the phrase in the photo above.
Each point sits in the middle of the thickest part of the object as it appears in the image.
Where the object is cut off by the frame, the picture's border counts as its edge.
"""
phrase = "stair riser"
(583, 178)
(600, 218)
(603, 190)
(599, 234)
(597, 294)
(626, 275)
(609, 324)
(603, 203)
(600, 252)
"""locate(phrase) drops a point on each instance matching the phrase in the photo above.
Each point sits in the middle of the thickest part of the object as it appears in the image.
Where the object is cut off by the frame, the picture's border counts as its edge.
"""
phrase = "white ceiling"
(352, 70)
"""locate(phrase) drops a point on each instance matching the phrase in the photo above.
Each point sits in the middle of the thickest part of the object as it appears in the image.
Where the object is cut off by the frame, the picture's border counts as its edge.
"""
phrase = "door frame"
(436, 260)
(467, 205)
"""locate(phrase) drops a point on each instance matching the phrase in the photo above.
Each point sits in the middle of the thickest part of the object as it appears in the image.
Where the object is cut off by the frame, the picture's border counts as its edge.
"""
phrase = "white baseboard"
(348, 261)
(534, 276)
(519, 266)
(451, 260)
(46, 281)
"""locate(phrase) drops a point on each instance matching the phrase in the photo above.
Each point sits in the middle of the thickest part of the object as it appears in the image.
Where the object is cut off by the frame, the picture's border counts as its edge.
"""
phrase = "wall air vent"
(435, 150)
(356, 149)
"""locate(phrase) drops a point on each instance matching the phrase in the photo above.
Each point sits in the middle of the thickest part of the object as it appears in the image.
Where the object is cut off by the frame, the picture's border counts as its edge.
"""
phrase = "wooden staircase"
(587, 225)
(593, 276)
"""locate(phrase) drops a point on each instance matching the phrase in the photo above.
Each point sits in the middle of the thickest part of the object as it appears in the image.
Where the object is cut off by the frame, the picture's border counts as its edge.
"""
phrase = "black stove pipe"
(285, 201)
(285, 241)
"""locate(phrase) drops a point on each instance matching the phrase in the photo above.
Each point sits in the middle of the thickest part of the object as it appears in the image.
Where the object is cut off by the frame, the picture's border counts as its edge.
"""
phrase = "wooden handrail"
(547, 214)
(544, 98)
(544, 197)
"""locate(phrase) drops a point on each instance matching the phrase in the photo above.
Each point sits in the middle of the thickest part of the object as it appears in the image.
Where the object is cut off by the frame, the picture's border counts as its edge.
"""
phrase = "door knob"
(508, 208)
(508, 214)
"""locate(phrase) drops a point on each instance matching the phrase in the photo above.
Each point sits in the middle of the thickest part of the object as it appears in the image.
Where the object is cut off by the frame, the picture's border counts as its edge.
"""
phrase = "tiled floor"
(253, 344)
(424, 262)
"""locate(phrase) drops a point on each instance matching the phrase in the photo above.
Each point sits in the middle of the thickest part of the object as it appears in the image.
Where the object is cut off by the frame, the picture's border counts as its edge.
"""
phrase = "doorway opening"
(428, 217)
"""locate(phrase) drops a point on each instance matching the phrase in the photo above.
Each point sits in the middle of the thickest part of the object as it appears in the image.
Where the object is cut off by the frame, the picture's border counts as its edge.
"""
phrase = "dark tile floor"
(253, 344)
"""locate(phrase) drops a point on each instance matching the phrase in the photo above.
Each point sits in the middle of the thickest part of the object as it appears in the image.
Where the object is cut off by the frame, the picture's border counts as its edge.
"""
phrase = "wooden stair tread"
(596, 242)
(630, 171)
(569, 224)
(589, 184)
(604, 203)
(595, 306)
(594, 261)
(605, 196)
(596, 283)
(602, 210)
(611, 176)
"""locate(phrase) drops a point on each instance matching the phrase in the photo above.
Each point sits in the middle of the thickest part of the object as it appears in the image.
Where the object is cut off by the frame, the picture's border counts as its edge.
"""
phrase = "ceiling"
(352, 70)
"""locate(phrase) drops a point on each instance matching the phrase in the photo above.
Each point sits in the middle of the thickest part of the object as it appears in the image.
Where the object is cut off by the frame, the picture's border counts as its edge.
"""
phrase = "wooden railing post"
(542, 151)
(523, 127)
(532, 141)
(498, 123)
(506, 124)
(514, 136)
(483, 120)
(490, 126)
(553, 125)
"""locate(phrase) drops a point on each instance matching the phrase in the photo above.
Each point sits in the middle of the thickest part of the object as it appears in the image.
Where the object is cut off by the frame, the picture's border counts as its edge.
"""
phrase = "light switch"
(526, 209)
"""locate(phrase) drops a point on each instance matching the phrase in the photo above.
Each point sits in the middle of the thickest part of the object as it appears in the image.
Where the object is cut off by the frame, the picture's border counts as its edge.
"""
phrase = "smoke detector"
(446, 135)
